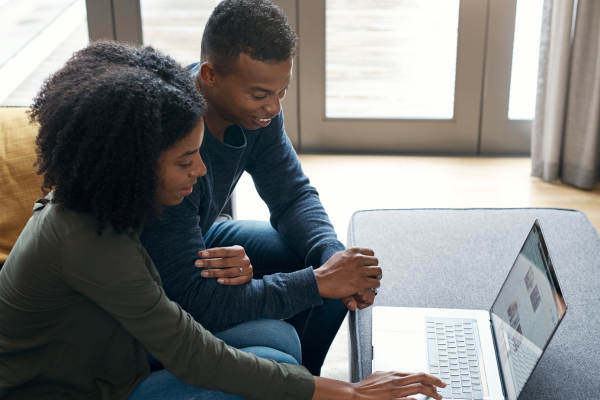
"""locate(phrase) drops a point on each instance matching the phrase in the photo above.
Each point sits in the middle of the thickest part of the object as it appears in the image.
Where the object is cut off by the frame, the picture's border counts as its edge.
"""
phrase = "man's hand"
(230, 265)
(349, 275)
(363, 299)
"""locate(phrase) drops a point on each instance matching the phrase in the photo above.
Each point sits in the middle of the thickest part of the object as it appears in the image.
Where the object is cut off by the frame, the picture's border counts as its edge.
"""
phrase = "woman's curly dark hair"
(105, 118)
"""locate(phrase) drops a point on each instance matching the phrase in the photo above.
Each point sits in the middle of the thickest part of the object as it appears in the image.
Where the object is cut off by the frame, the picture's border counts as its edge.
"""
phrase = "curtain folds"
(566, 128)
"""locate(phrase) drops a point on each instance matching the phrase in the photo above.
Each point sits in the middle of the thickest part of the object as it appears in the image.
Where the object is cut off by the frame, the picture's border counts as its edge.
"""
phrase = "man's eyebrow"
(189, 153)
(269, 91)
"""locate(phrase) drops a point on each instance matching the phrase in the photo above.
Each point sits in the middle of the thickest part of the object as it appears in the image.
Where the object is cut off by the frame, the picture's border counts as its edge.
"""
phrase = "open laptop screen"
(526, 312)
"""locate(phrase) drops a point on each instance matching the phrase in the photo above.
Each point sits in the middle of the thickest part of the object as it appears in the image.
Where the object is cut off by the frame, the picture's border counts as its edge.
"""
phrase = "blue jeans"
(266, 338)
(269, 254)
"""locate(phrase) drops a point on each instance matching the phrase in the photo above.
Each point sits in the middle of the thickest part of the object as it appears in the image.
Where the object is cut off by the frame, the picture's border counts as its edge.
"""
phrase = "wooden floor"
(350, 183)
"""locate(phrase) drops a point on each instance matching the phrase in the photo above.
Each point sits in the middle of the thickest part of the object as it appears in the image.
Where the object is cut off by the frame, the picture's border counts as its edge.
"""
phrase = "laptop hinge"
(497, 357)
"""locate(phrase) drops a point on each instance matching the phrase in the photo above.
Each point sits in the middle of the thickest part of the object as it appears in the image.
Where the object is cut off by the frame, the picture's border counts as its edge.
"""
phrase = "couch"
(19, 183)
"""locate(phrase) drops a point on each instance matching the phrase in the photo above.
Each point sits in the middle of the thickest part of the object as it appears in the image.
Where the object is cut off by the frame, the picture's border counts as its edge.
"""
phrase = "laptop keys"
(453, 357)
(462, 396)
(447, 392)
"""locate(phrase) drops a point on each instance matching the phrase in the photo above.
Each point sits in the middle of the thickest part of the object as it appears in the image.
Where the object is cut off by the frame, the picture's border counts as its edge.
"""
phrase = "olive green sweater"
(78, 312)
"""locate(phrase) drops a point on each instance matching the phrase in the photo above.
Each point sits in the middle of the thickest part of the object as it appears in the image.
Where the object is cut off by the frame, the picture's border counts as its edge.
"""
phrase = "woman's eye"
(187, 165)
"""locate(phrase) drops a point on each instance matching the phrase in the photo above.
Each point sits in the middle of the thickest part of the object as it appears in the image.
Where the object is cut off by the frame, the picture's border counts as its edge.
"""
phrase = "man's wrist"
(320, 281)
(331, 249)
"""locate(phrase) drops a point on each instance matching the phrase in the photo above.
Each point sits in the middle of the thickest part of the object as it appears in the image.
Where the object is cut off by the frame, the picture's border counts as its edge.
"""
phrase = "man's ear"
(208, 74)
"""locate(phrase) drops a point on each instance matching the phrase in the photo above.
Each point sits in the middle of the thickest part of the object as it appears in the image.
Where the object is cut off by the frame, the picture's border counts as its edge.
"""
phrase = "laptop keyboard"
(453, 357)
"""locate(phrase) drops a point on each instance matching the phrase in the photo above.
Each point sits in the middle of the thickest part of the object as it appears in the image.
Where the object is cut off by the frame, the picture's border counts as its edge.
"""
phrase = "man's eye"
(187, 165)
(259, 97)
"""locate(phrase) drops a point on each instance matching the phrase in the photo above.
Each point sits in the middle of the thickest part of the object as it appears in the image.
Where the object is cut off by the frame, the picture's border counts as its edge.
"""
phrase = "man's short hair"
(255, 27)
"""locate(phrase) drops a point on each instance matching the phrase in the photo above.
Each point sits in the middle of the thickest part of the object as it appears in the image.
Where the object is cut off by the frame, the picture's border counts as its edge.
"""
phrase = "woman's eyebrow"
(189, 153)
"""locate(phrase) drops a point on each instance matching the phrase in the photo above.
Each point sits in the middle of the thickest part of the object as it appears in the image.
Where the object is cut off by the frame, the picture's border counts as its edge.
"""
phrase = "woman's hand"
(230, 265)
(379, 386)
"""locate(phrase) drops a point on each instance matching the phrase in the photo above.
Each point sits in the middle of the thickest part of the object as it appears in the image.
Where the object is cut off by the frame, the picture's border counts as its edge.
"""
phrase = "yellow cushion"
(19, 184)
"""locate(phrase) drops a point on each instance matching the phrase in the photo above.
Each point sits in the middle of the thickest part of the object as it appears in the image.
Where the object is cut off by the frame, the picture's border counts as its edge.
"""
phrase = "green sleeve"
(114, 271)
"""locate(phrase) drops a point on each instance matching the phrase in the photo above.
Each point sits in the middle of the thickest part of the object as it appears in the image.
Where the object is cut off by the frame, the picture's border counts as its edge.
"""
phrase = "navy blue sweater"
(173, 242)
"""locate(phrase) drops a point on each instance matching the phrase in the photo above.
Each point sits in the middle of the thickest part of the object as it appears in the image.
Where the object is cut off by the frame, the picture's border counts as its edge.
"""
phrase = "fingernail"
(199, 263)
(349, 304)
(204, 273)
(221, 280)
(205, 254)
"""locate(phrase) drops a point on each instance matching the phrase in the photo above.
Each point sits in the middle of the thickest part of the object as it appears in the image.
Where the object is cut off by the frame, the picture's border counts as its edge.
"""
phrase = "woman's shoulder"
(64, 223)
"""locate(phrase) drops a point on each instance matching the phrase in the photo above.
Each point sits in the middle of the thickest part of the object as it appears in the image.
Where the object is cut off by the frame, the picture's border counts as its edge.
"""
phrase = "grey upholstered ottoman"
(446, 258)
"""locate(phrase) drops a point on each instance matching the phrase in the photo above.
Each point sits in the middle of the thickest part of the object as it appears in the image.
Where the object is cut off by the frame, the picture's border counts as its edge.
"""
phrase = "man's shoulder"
(193, 68)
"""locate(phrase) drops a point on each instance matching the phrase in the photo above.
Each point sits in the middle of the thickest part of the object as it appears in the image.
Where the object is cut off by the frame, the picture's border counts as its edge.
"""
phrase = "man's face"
(250, 94)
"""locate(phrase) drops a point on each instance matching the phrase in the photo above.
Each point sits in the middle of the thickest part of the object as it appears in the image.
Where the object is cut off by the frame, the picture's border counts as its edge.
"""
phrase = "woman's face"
(180, 166)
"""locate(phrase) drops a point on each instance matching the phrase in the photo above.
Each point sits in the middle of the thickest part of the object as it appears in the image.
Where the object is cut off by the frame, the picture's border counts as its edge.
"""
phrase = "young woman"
(81, 303)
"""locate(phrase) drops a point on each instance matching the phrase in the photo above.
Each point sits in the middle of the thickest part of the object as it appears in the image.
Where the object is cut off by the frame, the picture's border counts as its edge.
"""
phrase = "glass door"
(511, 72)
(391, 75)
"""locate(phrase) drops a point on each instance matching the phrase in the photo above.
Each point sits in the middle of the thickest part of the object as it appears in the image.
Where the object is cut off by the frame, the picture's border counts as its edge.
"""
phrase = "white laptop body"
(480, 354)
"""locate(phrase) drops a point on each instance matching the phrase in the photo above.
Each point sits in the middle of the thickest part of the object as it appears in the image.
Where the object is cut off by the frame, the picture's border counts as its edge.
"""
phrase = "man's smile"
(261, 122)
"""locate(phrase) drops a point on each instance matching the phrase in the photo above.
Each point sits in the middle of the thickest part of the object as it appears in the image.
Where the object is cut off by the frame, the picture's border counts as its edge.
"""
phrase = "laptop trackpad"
(400, 351)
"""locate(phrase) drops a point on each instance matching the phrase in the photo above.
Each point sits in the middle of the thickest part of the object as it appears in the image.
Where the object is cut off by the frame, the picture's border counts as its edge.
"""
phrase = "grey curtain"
(566, 128)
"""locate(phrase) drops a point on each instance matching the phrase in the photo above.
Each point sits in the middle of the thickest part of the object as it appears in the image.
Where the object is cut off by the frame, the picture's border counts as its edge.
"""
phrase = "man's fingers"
(373, 283)
(363, 250)
(350, 303)
(373, 272)
(365, 260)
(223, 252)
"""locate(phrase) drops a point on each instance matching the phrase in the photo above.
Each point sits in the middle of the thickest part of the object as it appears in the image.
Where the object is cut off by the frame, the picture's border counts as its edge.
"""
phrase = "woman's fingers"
(420, 383)
(235, 281)
(231, 272)
(223, 252)
(421, 377)
(394, 385)
(223, 262)
(223, 257)
(230, 265)
(418, 388)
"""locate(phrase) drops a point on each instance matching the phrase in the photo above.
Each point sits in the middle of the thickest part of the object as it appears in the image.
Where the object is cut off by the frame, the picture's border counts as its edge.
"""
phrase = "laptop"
(485, 355)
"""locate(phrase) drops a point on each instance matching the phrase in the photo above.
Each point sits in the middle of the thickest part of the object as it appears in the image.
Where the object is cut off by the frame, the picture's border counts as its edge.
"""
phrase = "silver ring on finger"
(374, 290)
(240, 268)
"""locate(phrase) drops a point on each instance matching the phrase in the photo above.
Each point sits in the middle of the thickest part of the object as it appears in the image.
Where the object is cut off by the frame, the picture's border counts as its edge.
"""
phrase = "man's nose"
(274, 105)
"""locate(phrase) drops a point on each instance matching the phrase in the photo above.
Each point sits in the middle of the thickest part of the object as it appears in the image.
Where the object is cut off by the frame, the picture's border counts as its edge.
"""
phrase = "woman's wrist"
(331, 389)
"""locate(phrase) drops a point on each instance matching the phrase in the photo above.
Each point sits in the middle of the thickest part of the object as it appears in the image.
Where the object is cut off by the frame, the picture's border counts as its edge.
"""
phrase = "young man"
(246, 66)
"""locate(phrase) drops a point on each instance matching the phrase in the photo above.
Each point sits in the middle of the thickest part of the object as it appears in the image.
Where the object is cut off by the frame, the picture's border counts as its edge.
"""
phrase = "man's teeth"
(263, 119)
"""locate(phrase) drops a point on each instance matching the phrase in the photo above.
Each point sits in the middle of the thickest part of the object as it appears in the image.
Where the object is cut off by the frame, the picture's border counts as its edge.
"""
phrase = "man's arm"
(296, 210)
(173, 243)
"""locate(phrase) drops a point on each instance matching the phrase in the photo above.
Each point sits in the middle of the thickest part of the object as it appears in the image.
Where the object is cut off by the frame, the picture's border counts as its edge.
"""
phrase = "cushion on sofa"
(19, 183)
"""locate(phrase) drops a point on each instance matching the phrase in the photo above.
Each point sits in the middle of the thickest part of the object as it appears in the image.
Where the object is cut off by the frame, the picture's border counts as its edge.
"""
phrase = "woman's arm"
(114, 271)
